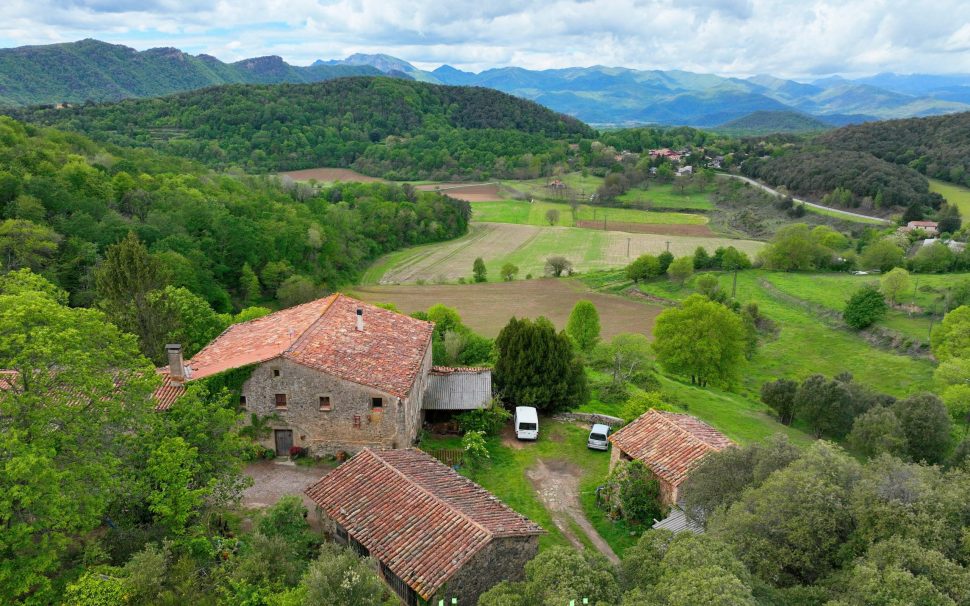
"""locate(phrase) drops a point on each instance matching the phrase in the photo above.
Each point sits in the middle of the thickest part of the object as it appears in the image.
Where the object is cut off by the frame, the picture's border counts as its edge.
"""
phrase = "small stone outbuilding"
(669, 444)
(434, 534)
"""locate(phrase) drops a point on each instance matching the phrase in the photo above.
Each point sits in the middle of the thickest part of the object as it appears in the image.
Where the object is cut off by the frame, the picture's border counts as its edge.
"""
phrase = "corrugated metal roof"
(676, 521)
(458, 389)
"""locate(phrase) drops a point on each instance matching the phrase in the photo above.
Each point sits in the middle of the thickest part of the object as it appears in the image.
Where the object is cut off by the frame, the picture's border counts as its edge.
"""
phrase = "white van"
(526, 423)
(598, 437)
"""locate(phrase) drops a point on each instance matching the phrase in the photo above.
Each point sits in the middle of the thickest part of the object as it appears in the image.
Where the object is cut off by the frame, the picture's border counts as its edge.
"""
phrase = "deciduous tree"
(865, 307)
(701, 340)
(583, 325)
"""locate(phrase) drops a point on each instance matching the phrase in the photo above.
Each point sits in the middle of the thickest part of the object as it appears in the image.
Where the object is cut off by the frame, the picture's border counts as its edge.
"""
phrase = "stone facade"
(352, 421)
(504, 559)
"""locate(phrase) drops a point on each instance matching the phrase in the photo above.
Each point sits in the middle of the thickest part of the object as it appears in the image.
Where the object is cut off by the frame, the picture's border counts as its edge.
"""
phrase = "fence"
(449, 456)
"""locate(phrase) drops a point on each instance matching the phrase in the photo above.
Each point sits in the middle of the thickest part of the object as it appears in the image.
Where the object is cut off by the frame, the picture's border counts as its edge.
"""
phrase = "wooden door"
(284, 441)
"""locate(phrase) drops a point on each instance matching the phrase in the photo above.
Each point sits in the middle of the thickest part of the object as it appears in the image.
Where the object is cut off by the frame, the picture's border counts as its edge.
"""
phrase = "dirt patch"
(486, 308)
(330, 174)
(509, 439)
(702, 231)
(470, 192)
(557, 484)
(275, 479)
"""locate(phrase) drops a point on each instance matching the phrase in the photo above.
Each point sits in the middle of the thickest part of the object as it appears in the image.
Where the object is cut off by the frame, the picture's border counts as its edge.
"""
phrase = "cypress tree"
(537, 367)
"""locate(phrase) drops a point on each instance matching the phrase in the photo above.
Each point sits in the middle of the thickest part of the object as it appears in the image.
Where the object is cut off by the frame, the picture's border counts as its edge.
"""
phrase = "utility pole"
(734, 286)
(628, 248)
(668, 245)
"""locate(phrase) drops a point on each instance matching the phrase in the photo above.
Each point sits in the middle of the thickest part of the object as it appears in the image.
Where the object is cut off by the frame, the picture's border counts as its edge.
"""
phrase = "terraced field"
(534, 213)
(528, 247)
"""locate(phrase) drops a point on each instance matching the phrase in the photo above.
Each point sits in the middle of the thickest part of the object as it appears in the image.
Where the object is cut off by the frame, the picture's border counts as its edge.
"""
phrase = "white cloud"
(794, 38)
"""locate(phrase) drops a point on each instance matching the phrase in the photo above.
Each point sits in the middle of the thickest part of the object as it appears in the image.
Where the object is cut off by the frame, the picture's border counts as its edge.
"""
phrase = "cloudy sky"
(792, 38)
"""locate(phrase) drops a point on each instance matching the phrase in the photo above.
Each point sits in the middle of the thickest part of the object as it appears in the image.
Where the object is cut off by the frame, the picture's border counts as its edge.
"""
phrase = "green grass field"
(806, 346)
(666, 196)
(528, 247)
(954, 194)
(833, 291)
(534, 213)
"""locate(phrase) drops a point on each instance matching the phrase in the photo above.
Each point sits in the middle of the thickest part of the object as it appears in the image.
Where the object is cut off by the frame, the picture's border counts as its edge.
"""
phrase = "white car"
(598, 437)
(526, 423)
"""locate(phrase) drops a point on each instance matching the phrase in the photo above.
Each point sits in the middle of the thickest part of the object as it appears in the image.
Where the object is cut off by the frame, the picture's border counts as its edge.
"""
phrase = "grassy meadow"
(528, 247)
(534, 213)
(806, 346)
(954, 194)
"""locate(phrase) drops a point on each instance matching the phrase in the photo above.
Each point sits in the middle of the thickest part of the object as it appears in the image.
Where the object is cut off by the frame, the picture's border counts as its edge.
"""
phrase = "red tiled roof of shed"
(418, 516)
(670, 444)
(322, 334)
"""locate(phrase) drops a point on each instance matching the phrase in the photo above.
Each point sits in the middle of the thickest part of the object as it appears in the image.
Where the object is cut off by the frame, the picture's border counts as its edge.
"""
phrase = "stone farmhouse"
(669, 444)
(435, 535)
(331, 375)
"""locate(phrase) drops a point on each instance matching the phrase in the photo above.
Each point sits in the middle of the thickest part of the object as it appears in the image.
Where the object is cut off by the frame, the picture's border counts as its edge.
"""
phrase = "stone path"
(275, 479)
(557, 484)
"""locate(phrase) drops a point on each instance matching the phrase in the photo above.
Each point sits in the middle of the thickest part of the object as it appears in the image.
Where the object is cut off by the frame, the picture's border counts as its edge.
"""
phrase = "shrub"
(488, 420)
(866, 307)
(638, 493)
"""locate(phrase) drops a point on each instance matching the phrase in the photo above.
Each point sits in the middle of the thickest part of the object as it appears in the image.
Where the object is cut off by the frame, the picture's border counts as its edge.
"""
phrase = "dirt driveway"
(275, 479)
(557, 484)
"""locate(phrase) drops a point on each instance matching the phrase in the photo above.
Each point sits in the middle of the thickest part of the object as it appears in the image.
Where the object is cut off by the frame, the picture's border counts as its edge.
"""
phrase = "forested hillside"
(234, 241)
(91, 70)
(380, 126)
(862, 180)
(767, 122)
(938, 147)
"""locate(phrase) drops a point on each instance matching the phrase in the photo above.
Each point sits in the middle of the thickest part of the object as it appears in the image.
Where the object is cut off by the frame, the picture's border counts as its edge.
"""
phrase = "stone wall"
(351, 424)
(503, 559)
(589, 417)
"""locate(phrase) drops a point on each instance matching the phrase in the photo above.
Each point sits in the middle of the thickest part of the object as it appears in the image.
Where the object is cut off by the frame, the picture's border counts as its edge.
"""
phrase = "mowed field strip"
(486, 308)
(528, 247)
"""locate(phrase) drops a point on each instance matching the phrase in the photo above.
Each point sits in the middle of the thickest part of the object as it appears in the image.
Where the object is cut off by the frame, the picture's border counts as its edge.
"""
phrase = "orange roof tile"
(670, 444)
(322, 334)
(418, 516)
(168, 392)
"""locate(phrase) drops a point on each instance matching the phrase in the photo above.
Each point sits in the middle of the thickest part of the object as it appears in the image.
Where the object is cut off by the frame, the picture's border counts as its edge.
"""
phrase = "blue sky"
(802, 39)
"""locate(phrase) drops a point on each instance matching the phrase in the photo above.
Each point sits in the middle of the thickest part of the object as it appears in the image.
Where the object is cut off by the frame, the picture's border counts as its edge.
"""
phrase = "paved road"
(806, 202)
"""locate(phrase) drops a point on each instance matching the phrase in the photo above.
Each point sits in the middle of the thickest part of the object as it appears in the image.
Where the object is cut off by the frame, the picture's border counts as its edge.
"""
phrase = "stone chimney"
(360, 319)
(176, 365)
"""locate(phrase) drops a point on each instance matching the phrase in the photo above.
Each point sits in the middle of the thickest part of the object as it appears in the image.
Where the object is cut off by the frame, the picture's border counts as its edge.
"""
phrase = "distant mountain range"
(91, 70)
(94, 70)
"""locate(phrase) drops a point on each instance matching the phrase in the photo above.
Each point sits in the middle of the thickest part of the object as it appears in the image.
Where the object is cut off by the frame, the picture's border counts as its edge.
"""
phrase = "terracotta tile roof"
(7, 378)
(418, 516)
(670, 444)
(322, 334)
(168, 392)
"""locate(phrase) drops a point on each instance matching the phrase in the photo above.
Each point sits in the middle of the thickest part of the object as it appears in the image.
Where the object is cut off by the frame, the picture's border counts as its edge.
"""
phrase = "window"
(377, 403)
(276, 372)
(325, 403)
(281, 400)
(242, 401)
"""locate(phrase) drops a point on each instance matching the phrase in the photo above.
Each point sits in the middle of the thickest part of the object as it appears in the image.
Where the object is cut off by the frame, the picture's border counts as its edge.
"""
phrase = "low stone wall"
(589, 417)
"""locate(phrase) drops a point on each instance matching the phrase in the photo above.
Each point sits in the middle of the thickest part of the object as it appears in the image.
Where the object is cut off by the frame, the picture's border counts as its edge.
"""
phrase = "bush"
(488, 420)
(866, 307)
(638, 493)
(297, 452)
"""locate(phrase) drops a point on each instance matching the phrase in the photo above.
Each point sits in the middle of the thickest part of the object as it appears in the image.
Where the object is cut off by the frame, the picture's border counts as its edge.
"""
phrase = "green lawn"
(668, 196)
(806, 346)
(534, 213)
(833, 291)
(954, 194)
(504, 476)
